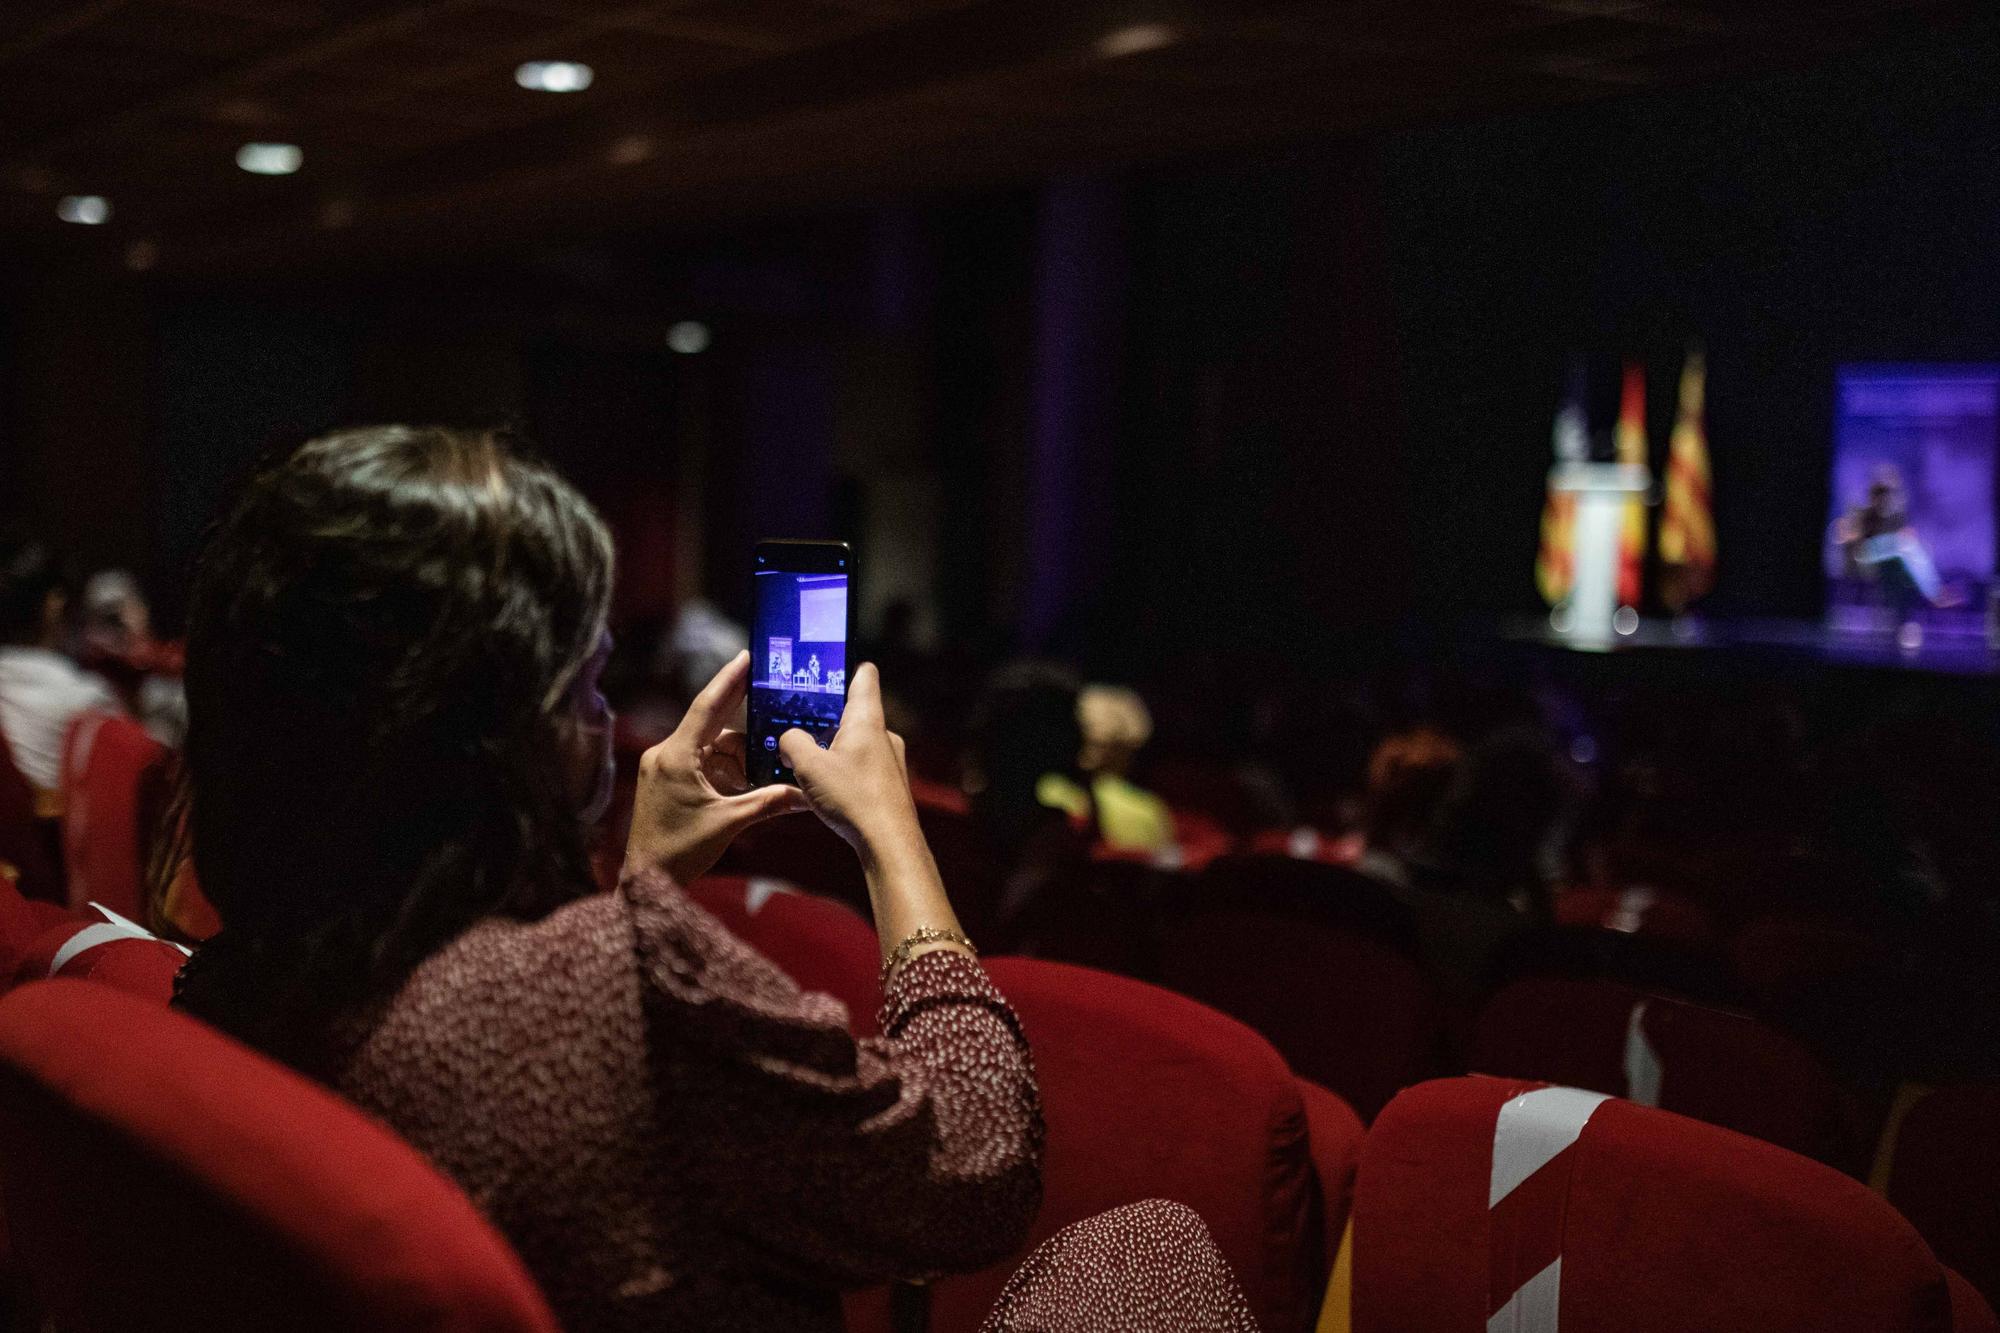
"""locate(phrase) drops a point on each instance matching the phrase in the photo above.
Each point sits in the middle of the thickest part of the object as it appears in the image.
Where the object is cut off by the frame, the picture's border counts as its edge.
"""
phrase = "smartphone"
(800, 620)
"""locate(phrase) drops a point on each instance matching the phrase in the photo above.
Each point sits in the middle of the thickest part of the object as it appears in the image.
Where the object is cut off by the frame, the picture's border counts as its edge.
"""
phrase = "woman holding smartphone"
(395, 745)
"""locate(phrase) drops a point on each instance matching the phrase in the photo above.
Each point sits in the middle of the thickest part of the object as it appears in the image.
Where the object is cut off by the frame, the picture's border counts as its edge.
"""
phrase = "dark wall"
(1279, 402)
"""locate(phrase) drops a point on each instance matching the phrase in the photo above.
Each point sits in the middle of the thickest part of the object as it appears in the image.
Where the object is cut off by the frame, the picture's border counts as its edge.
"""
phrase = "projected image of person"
(1881, 546)
(799, 643)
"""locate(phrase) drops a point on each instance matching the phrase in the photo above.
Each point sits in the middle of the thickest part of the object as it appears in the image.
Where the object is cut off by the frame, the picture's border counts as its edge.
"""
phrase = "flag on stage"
(1687, 527)
(1554, 573)
(1629, 441)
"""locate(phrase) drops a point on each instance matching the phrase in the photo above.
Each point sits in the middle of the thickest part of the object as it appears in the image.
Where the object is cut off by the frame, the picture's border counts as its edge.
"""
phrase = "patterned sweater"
(674, 1136)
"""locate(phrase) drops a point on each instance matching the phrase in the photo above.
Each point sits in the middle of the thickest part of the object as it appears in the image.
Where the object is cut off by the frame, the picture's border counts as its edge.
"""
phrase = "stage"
(1777, 641)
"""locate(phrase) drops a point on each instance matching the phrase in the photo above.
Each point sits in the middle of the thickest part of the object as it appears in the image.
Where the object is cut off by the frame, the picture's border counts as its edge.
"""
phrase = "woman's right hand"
(861, 788)
(859, 784)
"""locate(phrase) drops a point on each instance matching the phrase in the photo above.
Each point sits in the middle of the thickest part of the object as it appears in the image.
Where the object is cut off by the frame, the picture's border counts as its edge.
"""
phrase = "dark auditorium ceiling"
(417, 138)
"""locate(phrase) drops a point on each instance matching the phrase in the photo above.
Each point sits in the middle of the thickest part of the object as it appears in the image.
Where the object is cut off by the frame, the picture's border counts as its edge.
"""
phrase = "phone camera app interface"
(798, 659)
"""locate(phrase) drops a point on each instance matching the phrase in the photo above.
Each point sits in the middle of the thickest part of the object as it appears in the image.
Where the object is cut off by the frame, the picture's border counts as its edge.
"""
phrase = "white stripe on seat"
(1534, 1307)
(1531, 1129)
(1643, 1071)
(760, 889)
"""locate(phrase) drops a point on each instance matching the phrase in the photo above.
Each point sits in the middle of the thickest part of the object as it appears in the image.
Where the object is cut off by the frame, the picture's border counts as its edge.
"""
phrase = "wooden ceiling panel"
(417, 138)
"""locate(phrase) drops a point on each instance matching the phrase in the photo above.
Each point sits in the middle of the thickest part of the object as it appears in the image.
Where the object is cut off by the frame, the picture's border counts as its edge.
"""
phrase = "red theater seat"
(1943, 1172)
(801, 850)
(1095, 913)
(1335, 1135)
(1305, 843)
(1319, 959)
(1788, 962)
(1486, 1204)
(114, 789)
(821, 944)
(1150, 1095)
(1637, 911)
(105, 948)
(23, 921)
(158, 1176)
(1725, 1068)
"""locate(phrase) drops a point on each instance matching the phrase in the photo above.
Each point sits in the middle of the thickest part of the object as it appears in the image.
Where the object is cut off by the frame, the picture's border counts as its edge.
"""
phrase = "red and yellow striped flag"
(1629, 439)
(1554, 572)
(1687, 527)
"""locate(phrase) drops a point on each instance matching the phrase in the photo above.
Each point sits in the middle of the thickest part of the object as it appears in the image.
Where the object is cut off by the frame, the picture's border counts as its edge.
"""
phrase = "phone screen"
(798, 648)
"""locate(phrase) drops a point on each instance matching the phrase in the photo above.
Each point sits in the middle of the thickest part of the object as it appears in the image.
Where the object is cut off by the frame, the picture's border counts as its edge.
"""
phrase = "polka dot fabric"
(1149, 1267)
(674, 1136)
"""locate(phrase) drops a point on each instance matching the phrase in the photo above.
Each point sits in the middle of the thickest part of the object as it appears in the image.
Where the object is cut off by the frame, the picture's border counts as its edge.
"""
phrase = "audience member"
(1409, 776)
(395, 731)
(1483, 871)
(1020, 775)
(115, 639)
(1116, 726)
(41, 689)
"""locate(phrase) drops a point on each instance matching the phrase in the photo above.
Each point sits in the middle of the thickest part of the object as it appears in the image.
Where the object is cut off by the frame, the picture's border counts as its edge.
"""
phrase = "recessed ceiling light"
(270, 159)
(553, 76)
(1137, 38)
(688, 337)
(85, 209)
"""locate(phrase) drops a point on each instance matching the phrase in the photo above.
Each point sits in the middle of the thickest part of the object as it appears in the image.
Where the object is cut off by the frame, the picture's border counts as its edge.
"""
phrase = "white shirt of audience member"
(41, 693)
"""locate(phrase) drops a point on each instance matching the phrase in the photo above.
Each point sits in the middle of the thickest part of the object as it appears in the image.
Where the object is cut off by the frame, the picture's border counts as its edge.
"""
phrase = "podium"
(1601, 492)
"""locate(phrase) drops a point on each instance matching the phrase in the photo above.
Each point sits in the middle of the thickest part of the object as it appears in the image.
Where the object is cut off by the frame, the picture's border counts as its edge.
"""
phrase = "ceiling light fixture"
(688, 337)
(270, 159)
(553, 76)
(1137, 39)
(87, 210)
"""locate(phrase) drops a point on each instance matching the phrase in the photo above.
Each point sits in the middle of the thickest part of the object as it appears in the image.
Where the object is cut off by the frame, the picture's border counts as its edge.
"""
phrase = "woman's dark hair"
(382, 628)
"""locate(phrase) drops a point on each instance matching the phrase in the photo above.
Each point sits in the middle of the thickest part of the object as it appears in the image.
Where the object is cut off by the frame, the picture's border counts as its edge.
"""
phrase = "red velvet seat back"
(1316, 958)
(23, 921)
(1150, 1095)
(1945, 1177)
(158, 1176)
(1637, 911)
(1725, 1068)
(1096, 913)
(113, 782)
(1472, 1189)
(819, 943)
(108, 950)
(800, 850)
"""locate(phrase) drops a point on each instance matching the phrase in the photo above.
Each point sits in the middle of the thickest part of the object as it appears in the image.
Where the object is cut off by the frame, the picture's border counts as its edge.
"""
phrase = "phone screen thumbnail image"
(798, 655)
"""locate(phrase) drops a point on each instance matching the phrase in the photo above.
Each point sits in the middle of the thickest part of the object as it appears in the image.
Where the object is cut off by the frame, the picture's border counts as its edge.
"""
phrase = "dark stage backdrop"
(1281, 403)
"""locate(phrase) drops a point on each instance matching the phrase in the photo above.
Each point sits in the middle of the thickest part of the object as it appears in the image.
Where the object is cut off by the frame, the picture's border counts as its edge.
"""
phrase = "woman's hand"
(859, 784)
(693, 797)
(860, 787)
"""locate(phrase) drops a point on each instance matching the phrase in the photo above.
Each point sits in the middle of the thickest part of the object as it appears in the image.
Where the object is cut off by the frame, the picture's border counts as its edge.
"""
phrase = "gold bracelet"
(922, 935)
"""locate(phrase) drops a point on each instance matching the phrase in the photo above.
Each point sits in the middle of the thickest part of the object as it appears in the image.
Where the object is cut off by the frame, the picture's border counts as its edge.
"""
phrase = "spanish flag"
(1629, 440)
(1554, 573)
(1687, 527)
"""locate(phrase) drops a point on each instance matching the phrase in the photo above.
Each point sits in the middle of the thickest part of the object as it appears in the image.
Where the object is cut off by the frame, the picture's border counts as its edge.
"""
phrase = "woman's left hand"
(694, 796)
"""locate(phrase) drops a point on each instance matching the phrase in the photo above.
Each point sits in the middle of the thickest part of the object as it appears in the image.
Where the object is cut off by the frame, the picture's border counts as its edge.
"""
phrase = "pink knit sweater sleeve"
(841, 1161)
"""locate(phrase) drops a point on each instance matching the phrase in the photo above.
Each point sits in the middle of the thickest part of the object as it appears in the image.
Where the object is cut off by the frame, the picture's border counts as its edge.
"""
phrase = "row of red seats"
(113, 792)
(159, 1176)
